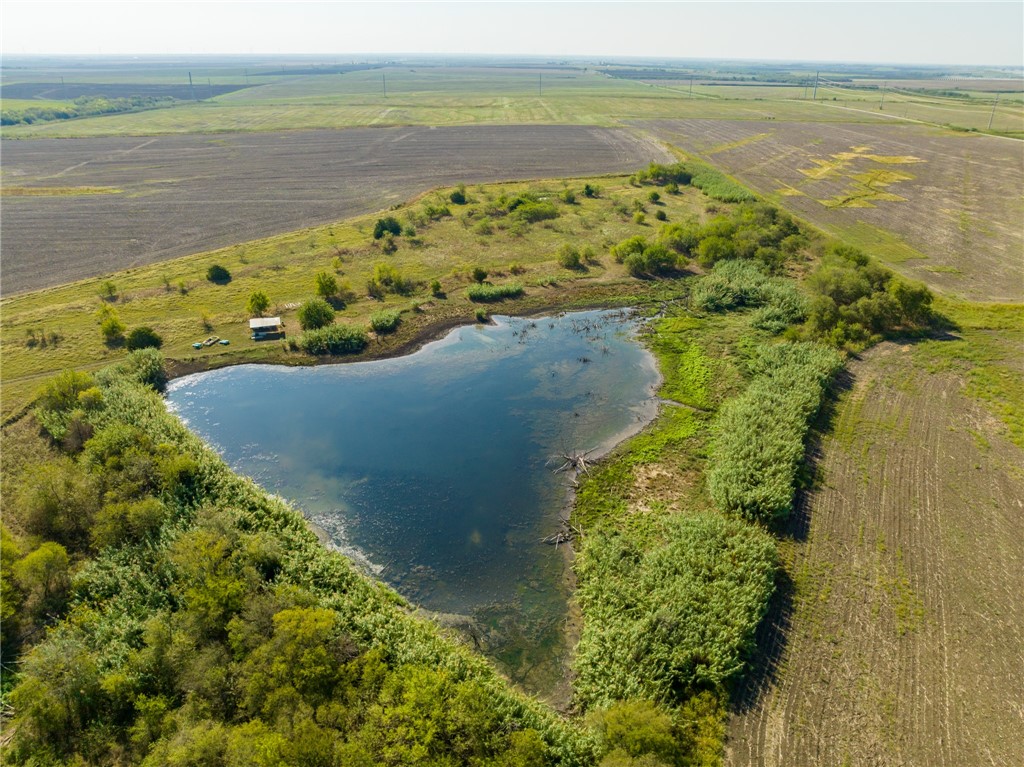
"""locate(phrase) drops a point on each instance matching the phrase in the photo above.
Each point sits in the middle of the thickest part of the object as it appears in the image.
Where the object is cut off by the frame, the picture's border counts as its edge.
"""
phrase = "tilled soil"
(184, 194)
(897, 637)
(962, 205)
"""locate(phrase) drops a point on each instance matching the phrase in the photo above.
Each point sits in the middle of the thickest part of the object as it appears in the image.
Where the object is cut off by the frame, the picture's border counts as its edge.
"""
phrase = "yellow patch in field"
(739, 143)
(790, 191)
(56, 191)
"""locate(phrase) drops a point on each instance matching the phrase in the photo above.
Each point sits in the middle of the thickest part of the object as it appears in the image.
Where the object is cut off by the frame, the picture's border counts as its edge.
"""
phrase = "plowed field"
(898, 638)
(945, 208)
(113, 203)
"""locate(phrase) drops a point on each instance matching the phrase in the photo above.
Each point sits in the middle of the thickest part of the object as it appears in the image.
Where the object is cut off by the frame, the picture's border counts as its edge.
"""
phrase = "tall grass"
(759, 436)
(486, 293)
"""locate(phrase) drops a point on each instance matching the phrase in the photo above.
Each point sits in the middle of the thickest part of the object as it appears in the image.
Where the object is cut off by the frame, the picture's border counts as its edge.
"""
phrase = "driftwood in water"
(575, 461)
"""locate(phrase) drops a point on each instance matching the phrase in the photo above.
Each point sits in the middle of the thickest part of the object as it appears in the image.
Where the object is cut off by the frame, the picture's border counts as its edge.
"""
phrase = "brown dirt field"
(942, 207)
(897, 637)
(184, 194)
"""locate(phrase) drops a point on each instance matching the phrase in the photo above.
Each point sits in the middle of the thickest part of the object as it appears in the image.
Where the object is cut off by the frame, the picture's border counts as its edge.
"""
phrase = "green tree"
(44, 578)
(386, 225)
(111, 327)
(315, 313)
(144, 338)
(218, 275)
(478, 274)
(258, 303)
(326, 285)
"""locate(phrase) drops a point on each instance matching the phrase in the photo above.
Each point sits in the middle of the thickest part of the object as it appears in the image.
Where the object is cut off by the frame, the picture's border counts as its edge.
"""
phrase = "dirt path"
(898, 636)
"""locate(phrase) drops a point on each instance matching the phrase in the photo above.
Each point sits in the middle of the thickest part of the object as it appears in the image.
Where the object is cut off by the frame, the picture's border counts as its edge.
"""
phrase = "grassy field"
(185, 194)
(435, 96)
(183, 306)
(942, 207)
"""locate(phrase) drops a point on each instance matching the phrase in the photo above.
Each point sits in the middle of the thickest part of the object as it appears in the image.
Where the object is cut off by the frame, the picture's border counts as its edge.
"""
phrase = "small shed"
(264, 326)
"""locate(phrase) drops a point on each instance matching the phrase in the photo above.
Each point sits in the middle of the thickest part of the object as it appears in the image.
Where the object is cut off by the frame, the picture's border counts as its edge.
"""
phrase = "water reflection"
(432, 469)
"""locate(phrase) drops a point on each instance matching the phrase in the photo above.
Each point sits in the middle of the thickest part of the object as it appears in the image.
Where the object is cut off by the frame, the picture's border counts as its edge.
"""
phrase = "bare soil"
(897, 637)
(184, 194)
(957, 199)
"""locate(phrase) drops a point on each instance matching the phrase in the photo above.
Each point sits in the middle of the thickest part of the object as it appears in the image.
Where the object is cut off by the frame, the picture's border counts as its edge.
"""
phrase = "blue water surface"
(436, 470)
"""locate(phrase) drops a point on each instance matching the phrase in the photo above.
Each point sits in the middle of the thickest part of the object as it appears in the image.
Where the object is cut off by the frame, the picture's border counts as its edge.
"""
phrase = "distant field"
(435, 96)
(898, 638)
(71, 91)
(182, 194)
(943, 207)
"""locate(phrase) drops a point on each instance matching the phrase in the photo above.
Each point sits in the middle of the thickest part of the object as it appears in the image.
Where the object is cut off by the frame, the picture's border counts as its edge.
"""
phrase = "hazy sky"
(896, 32)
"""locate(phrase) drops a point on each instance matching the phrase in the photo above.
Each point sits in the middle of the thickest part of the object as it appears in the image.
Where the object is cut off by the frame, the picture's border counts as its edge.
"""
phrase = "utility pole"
(540, 83)
(882, 102)
(191, 89)
(384, 83)
(814, 96)
(691, 85)
(992, 116)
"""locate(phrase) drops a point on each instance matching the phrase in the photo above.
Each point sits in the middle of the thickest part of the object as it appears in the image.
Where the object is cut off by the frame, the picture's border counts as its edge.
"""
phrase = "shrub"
(532, 212)
(326, 285)
(436, 212)
(568, 197)
(218, 275)
(315, 313)
(661, 215)
(653, 196)
(143, 366)
(387, 279)
(458, 197)
(108, 290)
(589, 190)
(478, 274)
(385, 320)
(387, 225)
(144, 338)
(258, 303)
(435, 288)
(111, 327)
(334, 339)
(490, 293)
(569, 257)
(481, 315)
(639, 218)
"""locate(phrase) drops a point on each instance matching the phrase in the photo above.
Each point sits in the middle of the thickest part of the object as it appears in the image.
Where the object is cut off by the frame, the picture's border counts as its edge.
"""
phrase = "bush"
(532, 212)
(387, 279)
(326, 285)
(458, 197)
(258, 303)
(569, 257)
(218, 275)
(643, 259)
(653, 197)
(435, 288)
(385, 321)
(567, 196)
(315, 313)
(661, 215)
(759, 436)
(386, 225)
(478, 274)
(388, 246)
(589, 190)
(334, 339)
(144, 338)
(491, 293)
(144, 366)
(111, 327)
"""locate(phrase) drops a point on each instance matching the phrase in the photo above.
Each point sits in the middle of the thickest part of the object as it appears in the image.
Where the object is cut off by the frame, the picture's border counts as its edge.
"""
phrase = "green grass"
(984, 348)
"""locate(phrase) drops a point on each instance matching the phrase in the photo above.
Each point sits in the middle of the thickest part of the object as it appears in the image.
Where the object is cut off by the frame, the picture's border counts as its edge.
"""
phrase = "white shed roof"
(264, 322)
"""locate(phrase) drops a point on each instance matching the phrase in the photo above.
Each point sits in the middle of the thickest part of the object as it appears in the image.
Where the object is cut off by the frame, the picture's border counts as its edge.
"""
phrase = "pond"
(437, 471)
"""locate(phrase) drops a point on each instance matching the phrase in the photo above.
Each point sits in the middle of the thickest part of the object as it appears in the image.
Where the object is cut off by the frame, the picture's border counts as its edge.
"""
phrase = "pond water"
(436, 471)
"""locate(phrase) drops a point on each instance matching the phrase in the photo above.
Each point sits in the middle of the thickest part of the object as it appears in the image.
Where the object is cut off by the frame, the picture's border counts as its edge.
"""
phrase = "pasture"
(939, 206)
(170, 196)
